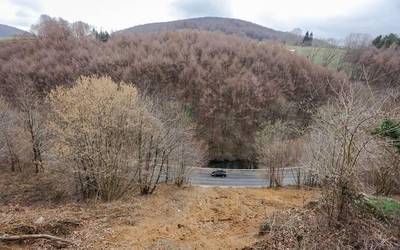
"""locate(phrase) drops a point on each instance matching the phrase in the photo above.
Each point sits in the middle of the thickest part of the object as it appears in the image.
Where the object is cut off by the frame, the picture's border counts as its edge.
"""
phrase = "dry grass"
(312, 228)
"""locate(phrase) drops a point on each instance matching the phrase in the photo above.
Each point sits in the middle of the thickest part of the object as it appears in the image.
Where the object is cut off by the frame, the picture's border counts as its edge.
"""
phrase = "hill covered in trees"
(8, 31)
(229, 85)
(85, 116)
(228, 26)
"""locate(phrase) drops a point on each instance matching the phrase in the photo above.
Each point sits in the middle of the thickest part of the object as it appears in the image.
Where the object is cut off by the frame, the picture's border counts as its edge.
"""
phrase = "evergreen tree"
(386, 41)
(102, 36)
(390, 129)
(391, 39)
(306, 38)
(377, 42)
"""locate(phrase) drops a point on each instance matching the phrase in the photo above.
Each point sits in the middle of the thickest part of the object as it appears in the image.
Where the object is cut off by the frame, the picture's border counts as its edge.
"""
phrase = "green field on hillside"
(331, 57)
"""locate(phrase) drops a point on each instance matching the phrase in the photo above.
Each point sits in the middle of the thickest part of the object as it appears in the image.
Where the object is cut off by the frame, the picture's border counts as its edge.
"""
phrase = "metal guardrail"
(242, 171)
(231, 170)
(240, 177)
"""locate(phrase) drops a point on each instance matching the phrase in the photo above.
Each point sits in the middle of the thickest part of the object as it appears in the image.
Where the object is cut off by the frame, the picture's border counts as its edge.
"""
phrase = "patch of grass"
(331, 57)
(384, 204)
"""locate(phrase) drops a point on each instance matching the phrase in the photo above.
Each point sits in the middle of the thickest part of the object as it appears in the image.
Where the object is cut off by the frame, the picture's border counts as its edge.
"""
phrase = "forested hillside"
(229, 85)
(8, 31)
(228, 26)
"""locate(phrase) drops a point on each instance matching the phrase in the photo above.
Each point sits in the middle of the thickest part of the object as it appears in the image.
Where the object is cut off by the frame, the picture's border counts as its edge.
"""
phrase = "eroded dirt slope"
(172, 218)
(204, 218)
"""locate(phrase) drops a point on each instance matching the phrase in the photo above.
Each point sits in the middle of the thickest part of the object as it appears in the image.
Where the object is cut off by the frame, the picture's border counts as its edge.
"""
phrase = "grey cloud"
(24, 18)
(26, 14)
(22, 14)
(197, 8)
(32, 5)
(382, 19)
(26, 23)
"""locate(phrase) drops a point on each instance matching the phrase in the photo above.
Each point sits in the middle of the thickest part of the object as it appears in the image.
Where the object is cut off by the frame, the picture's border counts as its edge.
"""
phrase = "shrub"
(341, 147)
(308, 228)
(114, 139)
(95, 124)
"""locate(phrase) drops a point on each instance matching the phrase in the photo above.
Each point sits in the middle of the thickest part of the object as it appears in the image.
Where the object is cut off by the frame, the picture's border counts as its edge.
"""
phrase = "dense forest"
(230, 86)
(227, 26)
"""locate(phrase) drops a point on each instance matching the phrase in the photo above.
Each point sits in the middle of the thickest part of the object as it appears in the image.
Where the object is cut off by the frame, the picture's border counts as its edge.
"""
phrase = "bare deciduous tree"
(14, 140)
(357, 40)
(277, 150)
(340, 146)
(4, 124)
(32, 113)
(80, 29)
(170, 149)
(382, 168)
(376, 67)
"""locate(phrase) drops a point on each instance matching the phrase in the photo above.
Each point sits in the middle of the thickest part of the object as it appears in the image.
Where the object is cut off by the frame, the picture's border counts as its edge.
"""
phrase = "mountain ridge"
(9, 31)
(228, 26)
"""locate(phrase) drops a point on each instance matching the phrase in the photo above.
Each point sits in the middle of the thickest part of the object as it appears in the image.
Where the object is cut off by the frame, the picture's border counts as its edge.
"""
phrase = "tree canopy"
(386, 41)
(231, 85)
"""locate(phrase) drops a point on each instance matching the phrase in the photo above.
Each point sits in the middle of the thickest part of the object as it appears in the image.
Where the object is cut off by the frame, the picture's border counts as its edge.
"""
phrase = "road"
(239, 177)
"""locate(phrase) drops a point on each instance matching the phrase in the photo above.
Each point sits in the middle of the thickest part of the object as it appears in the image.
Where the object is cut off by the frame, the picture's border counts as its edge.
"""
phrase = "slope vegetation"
(229, 85)
(228, 26)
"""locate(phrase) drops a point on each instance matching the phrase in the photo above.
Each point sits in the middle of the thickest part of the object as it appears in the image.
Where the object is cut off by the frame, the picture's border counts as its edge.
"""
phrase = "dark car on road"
(218, 173)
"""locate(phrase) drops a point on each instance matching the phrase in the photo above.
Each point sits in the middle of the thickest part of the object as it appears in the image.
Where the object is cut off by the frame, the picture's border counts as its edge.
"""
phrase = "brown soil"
(172, 218)
(205, 218)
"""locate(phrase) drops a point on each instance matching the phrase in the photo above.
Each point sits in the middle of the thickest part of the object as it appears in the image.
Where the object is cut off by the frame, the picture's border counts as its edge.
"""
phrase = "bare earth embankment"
(172, 218)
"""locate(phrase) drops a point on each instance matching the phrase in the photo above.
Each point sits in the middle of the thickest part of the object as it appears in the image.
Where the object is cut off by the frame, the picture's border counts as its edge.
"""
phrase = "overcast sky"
(326, 18)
